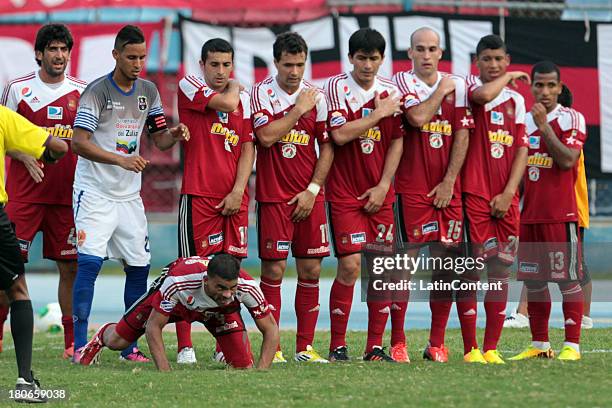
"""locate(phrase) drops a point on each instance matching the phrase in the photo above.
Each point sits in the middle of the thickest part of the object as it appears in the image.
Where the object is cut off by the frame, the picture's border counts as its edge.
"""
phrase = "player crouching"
(206, 290)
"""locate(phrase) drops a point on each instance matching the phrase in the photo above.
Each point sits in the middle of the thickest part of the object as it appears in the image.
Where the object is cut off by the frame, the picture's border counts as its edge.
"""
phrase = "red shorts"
(204, 231)
(421, 222)
(550, 252)
(352, 227)
(56, 223)
(277, 233)
(228, 329)
(490, 236)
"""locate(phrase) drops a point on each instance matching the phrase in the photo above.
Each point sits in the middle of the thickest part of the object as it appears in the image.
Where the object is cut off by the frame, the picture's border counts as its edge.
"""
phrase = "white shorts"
(111, 229)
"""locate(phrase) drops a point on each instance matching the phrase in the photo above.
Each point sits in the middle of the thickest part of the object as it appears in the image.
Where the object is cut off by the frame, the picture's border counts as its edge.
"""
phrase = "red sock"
(378, 313)
(183, 335)
(68, 331)
(573, 308)
(271, 289)
(340, 301)
(440, 303)
(398, 316)
(538, 307)
(307, 312)
(467, 310)
(495, 305)
(4, 310)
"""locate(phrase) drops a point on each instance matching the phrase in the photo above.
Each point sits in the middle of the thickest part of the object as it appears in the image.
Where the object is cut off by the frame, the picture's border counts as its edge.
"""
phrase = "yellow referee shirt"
(19, 134)
(582, 194)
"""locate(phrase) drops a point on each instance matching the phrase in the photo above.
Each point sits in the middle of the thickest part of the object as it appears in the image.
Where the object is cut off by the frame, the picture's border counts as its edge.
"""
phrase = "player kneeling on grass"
(206, 290)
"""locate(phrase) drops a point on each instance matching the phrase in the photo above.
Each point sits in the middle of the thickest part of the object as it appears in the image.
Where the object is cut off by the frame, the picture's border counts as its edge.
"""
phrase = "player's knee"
(18, 290)
(309, 270)
(535, 286)
(273, 270)
(349, 268)
(88, 268)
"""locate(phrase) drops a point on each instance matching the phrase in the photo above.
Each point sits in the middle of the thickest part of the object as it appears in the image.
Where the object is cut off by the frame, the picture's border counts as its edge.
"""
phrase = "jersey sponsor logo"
(317, 251)
(283, 246)
(542, 160)
(534, 173)
(373, 134)
(534, 142)
(126, 146)
(365, 112)
(55, 112)
(367, 146)
(436, 140)
(429, 227)
(60, 131)
(337, 119)
(109, 105)
(34, 100)
(226, 327)
(501, 136)
(166, 306)
(215, 239)
(230, 135)
(439, 126)
(26, 92)
(497, 150)
(260, 119)
(195, 260)
(223, 117)
(358, 238)
(289, 151)
(497, 118)
(66, 252)
(410, 100)
(347, 90)
(529, 267)
(190, 300)
(24, 245)
(238, 250)
(297, 137)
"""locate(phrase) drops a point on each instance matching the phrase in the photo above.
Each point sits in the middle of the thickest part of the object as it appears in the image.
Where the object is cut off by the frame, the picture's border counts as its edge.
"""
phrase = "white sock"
(575, 346)
(541, 345)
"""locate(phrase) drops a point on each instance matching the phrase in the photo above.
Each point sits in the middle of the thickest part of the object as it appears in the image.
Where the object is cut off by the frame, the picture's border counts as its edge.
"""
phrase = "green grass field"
(543, 383)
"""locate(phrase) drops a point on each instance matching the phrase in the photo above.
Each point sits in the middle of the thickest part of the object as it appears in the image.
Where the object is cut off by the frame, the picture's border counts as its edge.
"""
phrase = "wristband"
(314, 188)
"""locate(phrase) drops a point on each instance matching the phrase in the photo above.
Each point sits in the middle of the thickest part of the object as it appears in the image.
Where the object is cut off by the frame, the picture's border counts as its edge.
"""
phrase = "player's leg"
(587, 287)
(67, 271)
(234, 342)
(519, 319)
(4, 310)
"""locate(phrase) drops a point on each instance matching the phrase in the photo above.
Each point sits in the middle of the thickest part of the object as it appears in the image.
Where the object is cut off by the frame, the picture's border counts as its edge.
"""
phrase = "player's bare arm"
(501, 202)
(306, 199)
(273, 132)
(231, 203)
(33, 166)
(423, 112)
(165, 139)
(564, 156)
(228, 100)
(384, 107)
(83, 146)
(489, 90)
(153, 331)
(377, 194)
(268, 327)
(444, 191)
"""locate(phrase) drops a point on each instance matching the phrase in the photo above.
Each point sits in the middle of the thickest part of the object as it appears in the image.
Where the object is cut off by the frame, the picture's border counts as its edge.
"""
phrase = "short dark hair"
(565, 97)
(129, 34)
(545, 67)
(289, 42)
(224, 266)
(367, 40)
(490, 42)
(49, 33)
(216, 45)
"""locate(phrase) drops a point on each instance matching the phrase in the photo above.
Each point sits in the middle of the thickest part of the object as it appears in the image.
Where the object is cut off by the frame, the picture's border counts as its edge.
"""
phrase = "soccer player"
(289, 118)
(366, 128)
(550, 250)
(108, 211)
(491, 175)
(41, 197)
(213, 213)
(205, 290)
(17, 134)
(427, 182)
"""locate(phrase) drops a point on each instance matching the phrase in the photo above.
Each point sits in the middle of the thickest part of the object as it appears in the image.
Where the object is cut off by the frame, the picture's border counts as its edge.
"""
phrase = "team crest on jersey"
(289, 150)
(142, 103)
(72, 104)
(436, 141)
(534, 142)
(497, 150)
(367, 146)
(55, 112)
(534, 173)
(337, 119)
(81, 237)
(223, 117)
(497, 118)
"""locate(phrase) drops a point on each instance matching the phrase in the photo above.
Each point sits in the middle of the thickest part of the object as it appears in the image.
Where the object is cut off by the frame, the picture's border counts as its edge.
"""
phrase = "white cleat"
(587, 322)
(186, 356)
(516, 321)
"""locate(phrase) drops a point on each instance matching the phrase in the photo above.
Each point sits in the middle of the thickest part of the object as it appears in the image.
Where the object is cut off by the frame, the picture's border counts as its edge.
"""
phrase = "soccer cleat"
(398, 353)
(76, 357)
(90, 354)
(493, 357)
(278, 357)
(136, 356)
(29, 392)
(68, 353)
(568, 354)
(587, 323)
(516, 321)
(532, 352)
(186, 356)
(438, 354)
(339, 354)
(474, 356)
(378, 354)
(219, 357)
(309, 356)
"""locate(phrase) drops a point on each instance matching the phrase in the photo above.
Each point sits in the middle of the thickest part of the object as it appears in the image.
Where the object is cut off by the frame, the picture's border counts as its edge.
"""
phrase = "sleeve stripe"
(179, 286)
(255, 98)
(156, 111)
(194, 81)
(253, 291)
(333, 93)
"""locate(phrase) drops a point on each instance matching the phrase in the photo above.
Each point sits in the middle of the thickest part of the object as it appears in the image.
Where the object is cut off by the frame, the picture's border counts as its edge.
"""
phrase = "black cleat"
(29, 392)
(378, 354)
(339, 354)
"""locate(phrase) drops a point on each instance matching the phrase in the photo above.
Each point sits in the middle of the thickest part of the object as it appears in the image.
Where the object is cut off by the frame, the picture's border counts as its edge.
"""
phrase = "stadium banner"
(91, 55)
(32, 6)
(572, 45)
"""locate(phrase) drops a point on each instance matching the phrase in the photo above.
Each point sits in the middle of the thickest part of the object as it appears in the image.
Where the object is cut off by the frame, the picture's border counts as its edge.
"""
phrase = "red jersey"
(53, 107)
(213, 151)
(182, 295)
(549, 195)
(427, 150)
(358, 165)
(286, 168)
(498, 134)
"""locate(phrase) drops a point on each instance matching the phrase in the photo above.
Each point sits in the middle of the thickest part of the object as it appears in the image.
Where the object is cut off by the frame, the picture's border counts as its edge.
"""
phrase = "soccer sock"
(307, 312)
(271, 289)
(378, 313)
(340, 302)
(573, 307)
(398, 316)
(440, 303)
(495, 306)
(183, 335)
(68, 331)
(3, 314)
(82, 295)
(538, 307)
(135, 287)
(22, 330)
(467, 312)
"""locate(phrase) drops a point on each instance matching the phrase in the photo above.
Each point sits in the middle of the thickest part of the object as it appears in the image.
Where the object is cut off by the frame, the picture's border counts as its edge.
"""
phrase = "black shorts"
(11, 263)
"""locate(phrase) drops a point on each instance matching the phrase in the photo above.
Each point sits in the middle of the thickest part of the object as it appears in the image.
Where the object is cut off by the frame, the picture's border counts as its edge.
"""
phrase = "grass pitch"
(541, 383)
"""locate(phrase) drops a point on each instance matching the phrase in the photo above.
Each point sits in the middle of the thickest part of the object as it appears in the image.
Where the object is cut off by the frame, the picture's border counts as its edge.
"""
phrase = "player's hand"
(33, 166)
(231, 203)
(305, 201)
(376, 197)
(306, 100)
(388, 106)
(133, 163)
(180, 132)
(518, 75)
(446, 85)
(500, 204)
(443, 194)
(538, 112)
